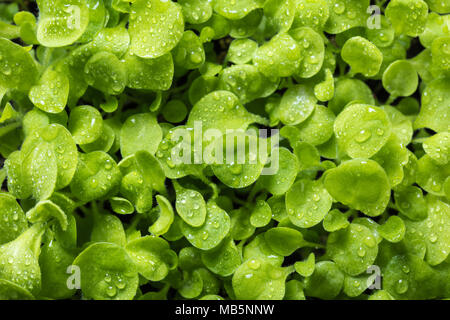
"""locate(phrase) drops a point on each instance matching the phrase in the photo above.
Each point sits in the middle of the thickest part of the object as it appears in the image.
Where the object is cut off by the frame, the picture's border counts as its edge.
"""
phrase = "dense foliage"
(91, 95)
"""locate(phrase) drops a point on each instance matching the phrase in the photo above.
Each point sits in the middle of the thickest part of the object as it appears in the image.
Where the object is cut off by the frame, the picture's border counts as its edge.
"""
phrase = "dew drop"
(363, 136)
(254, 264)
(401, 286)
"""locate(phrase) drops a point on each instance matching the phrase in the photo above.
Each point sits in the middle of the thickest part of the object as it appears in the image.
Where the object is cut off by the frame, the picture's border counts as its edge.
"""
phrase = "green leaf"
(45, 211)
(51, 92)
(165, 217)
(335, 220)
(280, 57)
(107, 272)
(41, 171)
(438, 147)
(409, 277)
(241, 51)
(223, 260)
(297, 104)
(190, 205)
(85, 124)
(60, 144)
(434, 112)
(392, 157)
(279, 14)
(306, 268)
(11, 291)
(346, 14)
(362, 56)
(21, 256)
(284, 241)
(220, 110)
(107, 228)
(12, 219)
(362, 130)
(54, 261)
(152, 256)
(189, 52)
(241, 228)
(407, 16)
(353, 249)
(318, 128)
(393, 230)
(261, 214)
(259, 249)
(326, 282)
(400, 79)
(155, 28)
(246, 82)
(313, 51)
(280, 182)
(140, 132)
(196, 11)
(25, 73)
(97, 175)
(61, 22)
(259, 280)
(105, 72)
(411, 203)
(212, 232)
(434, 230)
(348, 90)
(121, 205)
(238, 9)
(307, 203)
(431, 176)
(247, 163)
(17, 184)
(361, 184)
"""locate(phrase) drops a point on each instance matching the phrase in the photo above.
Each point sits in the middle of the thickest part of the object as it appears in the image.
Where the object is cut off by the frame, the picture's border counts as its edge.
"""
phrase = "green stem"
(289, 270)
(313, 245)
(390, 99)
(94, 207)
(239, 201)
(212, 185)
(8, 128)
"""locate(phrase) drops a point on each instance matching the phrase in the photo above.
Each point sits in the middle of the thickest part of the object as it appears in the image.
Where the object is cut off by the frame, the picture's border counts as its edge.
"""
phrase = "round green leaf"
(400, 79)
(51, 92)
(190, 205)
(61, 22)
(307, 203)
(212, 232)
(353, 249)
(297, 104)
(152, 256)
(259, 280)
(107, 272)
(360, 184)
(96, 176)
(105, 72)
(326, 282)
(61, 144)
(223, 260)
(284, 241)
(155, 27)
(140, 132)
(407, 16)
(362, 56)
(85, 124)
(362, 130)
(280, 57)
